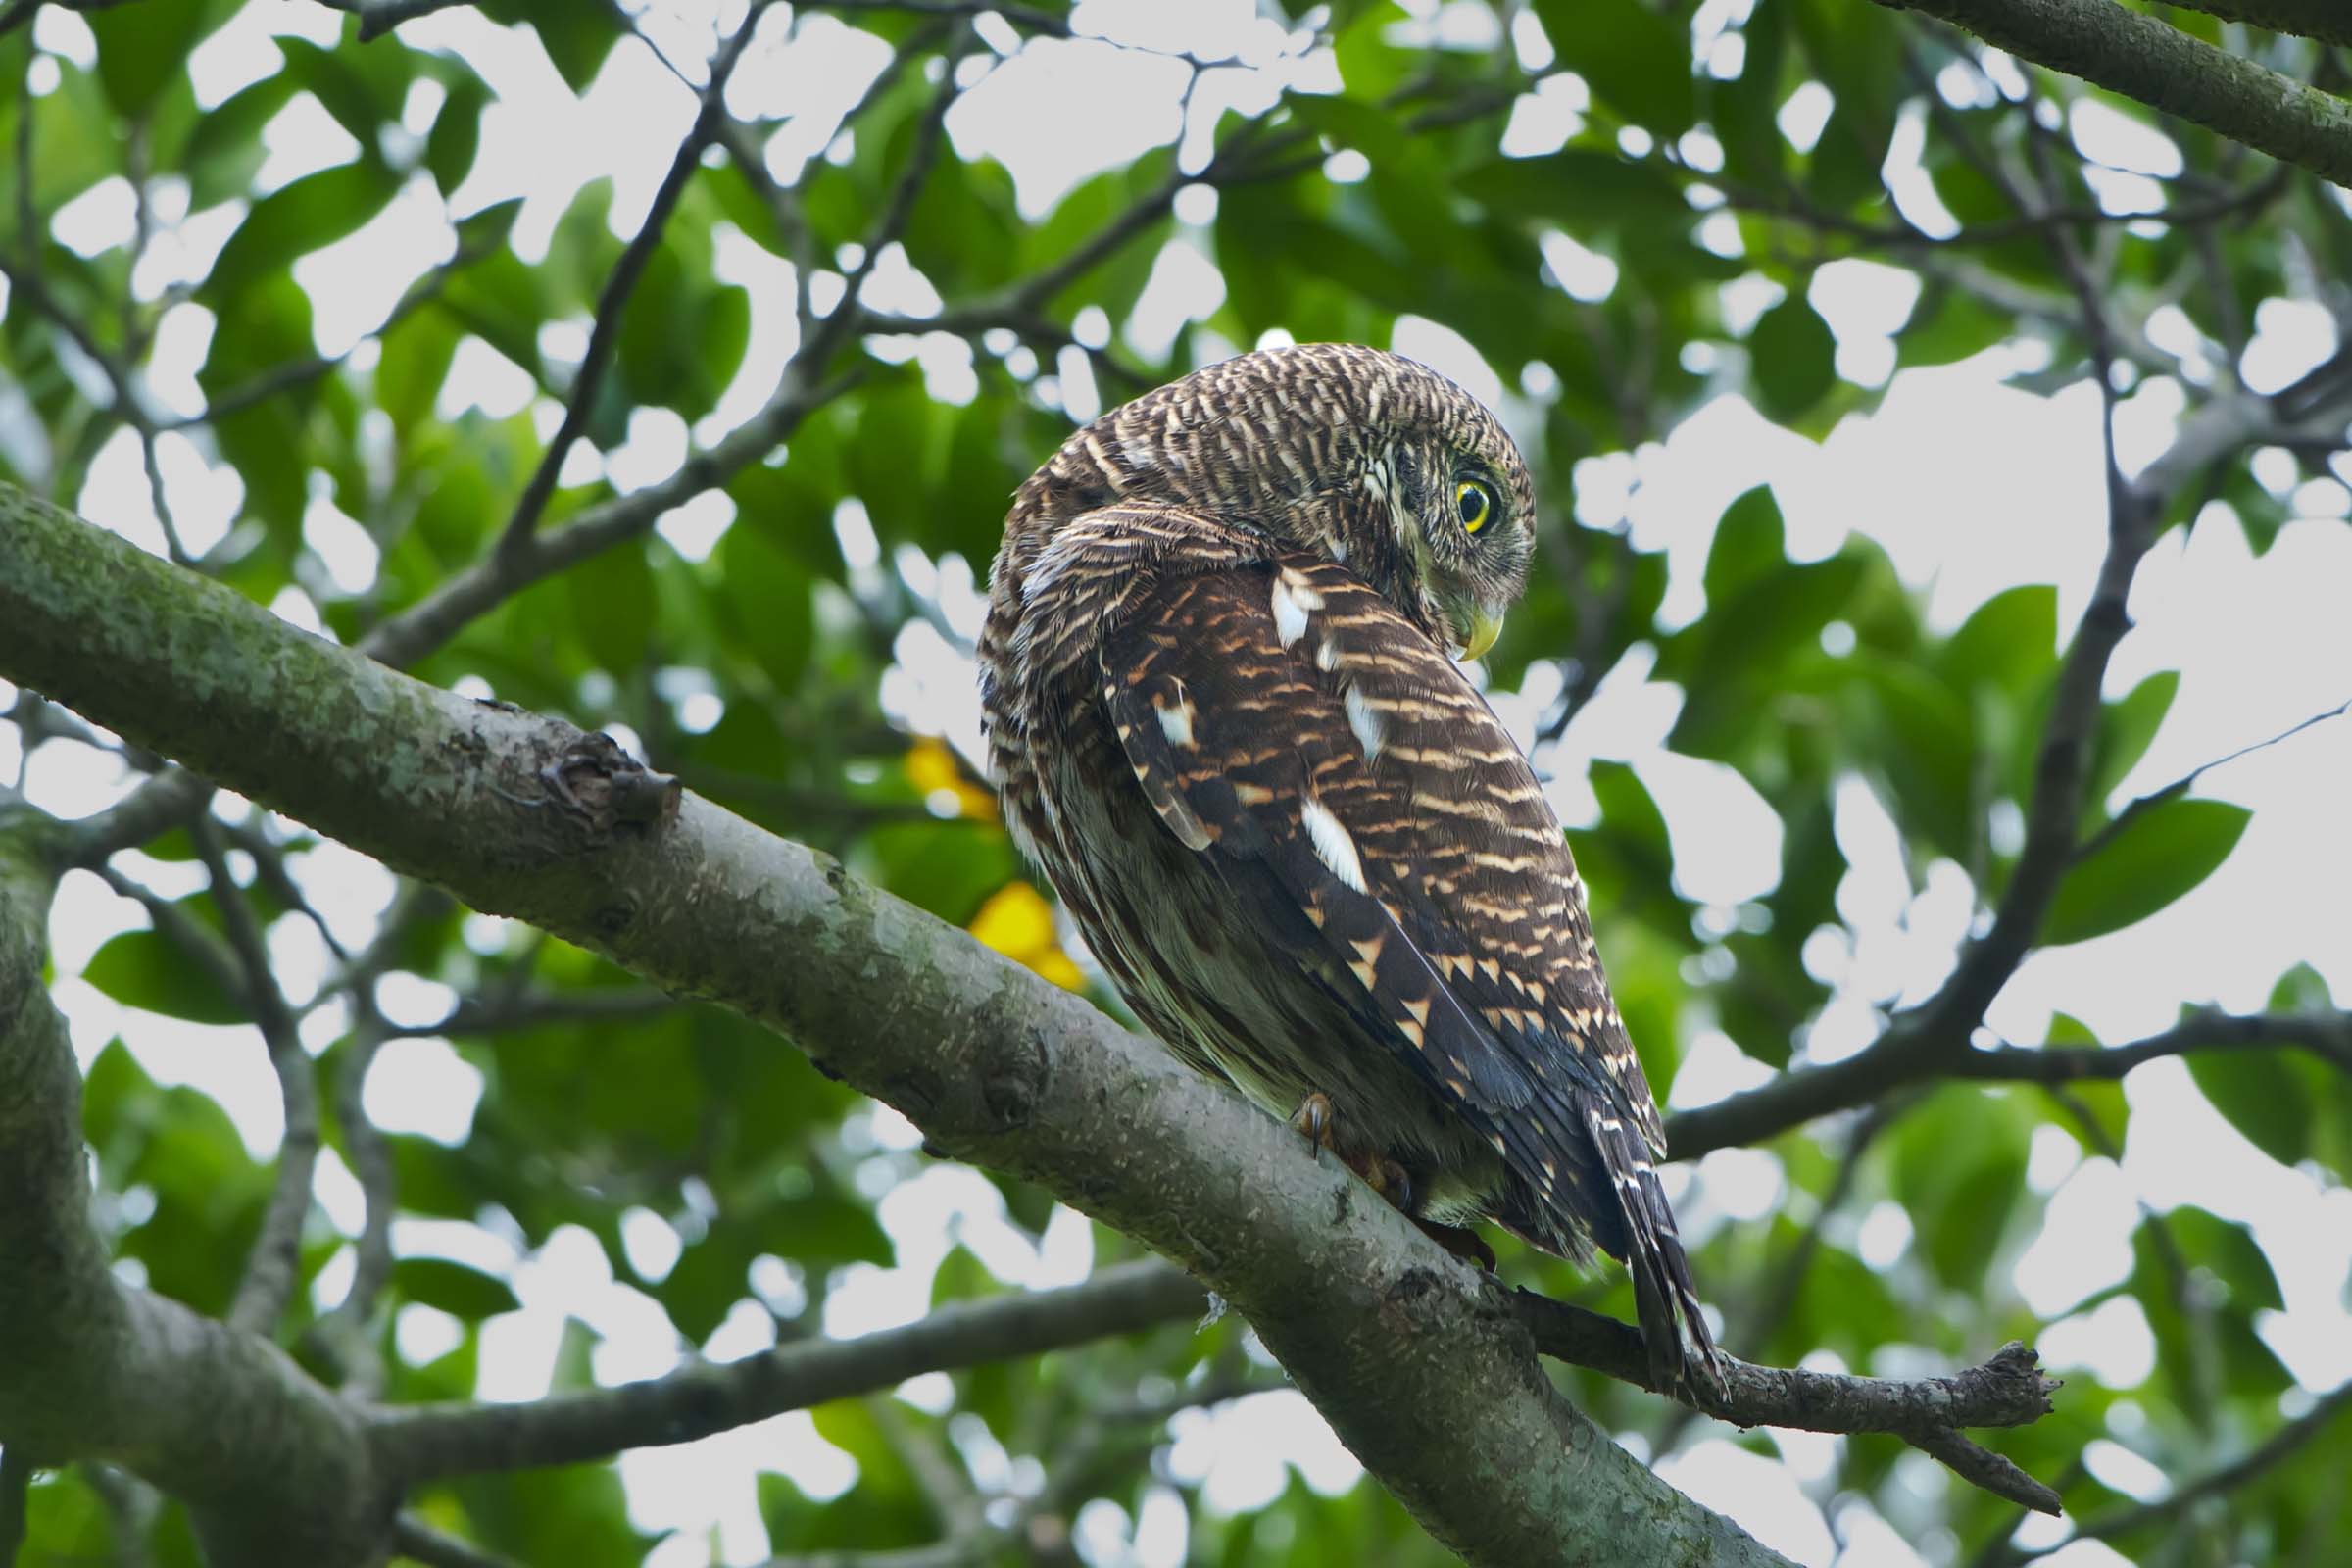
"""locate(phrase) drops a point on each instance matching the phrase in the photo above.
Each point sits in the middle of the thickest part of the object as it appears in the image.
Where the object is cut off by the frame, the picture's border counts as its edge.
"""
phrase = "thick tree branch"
(2324, 19)
(423, 1442)
(1422, 1364)
(2134, 54)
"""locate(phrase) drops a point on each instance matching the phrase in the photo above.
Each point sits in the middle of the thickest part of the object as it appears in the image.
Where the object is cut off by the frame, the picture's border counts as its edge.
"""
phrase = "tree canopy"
(500, 917)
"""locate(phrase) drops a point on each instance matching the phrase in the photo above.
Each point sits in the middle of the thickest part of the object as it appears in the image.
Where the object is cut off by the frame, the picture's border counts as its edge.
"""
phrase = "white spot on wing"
(1290, 615)
(1366, 722)
(1333, 847)
(1176, 723)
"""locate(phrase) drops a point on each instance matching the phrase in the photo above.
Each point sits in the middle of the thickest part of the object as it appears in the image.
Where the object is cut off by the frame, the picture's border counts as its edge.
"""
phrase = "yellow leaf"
(932, 768)
(1018, 923)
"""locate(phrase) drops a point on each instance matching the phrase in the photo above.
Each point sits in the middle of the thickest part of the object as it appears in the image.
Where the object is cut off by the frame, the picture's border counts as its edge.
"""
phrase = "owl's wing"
(1358, 797)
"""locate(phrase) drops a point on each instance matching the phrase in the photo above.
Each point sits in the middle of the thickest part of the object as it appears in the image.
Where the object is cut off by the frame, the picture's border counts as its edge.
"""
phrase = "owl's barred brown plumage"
(1224, 720)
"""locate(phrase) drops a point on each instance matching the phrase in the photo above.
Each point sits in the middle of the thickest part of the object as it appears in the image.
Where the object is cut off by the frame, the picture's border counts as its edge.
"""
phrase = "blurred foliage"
(772, 671)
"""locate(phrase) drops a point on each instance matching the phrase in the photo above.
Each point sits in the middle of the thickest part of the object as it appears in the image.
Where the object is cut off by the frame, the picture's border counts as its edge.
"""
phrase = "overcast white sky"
(1969, 485)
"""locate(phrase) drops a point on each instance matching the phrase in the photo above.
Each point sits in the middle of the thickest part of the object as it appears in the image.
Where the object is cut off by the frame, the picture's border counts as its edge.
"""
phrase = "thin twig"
(2142, 805)
(494, 1016)
(2327, 1035)
(2275, 1451)
(828, 337)
(132, 1506)
(419, 1541)
(345, 1333)
(274, 1263)
(612, 303)
(2007, 1391)
(421, 1442)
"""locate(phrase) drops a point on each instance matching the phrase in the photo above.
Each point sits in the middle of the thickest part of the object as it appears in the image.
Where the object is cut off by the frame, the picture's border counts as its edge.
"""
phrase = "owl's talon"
(1316, 1120)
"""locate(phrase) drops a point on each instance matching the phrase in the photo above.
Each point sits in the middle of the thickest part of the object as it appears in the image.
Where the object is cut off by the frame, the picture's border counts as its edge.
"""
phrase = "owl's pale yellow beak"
(1485, 626)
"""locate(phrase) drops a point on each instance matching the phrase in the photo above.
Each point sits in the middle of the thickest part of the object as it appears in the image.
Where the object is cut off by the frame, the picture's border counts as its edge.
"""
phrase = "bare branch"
(2007, 1391)
(171, 799)
(421, 1442)
(612, 303)
(536, 1010)
(2327, 1035)
(344, 1334)
(2141, 56)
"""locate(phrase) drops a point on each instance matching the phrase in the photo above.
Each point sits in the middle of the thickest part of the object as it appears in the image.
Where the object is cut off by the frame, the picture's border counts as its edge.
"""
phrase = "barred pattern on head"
(1223, 717)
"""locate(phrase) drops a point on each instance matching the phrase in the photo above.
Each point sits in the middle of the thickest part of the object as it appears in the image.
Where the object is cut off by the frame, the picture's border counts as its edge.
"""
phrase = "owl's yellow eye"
(1474, 503)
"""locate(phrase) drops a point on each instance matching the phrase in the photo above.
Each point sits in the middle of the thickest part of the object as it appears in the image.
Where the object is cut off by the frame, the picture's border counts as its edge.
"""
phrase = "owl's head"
(1370, 458)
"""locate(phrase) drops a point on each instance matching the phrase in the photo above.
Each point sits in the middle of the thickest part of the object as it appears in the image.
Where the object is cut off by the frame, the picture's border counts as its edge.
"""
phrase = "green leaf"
(142, 47)
(412, 366)
(1959, 1168)
(612, 597)
(225, 148)
(1635, 59)
(2264, 1093)
(297, 218)
(457, 134)
(2125, 727)
(1748, 543)
(148, 969)
(1581, 188)
(2010, 641)
(767, 592)
(2161, 854)
(1792, 360)
(1742, 110)
(458, 1289)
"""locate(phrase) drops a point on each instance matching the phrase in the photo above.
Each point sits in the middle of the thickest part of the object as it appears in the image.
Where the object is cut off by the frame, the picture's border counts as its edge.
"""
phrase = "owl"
(1223, 709)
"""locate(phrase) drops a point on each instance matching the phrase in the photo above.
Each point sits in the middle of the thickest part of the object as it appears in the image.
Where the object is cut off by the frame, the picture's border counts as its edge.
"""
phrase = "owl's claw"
(1316, 1120)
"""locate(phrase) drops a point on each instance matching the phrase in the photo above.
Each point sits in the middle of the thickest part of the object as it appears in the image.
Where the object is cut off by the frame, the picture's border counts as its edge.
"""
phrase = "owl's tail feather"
(1682, 1357)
